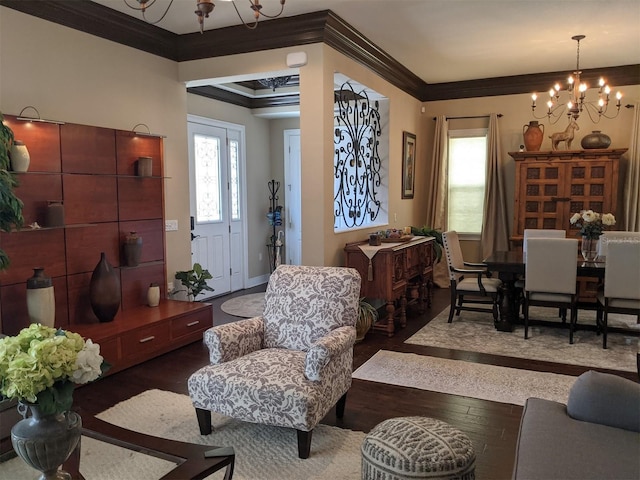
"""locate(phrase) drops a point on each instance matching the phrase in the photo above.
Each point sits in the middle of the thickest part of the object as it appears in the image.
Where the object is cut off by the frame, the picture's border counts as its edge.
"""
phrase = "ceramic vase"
(45, 442)
(595, 139)
(41, 301)
(104, 290)
(132, 249)
(20, 158)
(144, 166)
(533, 135)
(55, 214)
(153, 295)
(589, 249)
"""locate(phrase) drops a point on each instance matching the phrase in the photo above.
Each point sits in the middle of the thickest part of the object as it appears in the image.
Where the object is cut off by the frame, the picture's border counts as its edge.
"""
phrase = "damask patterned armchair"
(290, 366)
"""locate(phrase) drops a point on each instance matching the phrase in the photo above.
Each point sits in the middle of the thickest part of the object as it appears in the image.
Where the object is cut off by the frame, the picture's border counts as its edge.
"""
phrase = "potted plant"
(431, 232)
(194, 281)
(10, 205)
(367, 316)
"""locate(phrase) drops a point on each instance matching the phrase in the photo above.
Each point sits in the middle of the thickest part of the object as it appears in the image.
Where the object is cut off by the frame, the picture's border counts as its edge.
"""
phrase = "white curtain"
(631, 209)
(437, 212)
(495, 235)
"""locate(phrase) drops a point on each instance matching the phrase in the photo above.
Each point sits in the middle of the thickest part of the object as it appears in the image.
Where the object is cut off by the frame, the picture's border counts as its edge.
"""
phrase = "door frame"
(243, 183)
(288, 133)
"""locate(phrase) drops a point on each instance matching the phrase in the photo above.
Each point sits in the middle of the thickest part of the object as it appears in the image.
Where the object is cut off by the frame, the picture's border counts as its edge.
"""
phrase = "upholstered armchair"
(291, 365)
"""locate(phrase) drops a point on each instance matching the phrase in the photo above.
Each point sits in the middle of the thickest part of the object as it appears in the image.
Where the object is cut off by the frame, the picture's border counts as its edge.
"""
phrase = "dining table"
(510, 267)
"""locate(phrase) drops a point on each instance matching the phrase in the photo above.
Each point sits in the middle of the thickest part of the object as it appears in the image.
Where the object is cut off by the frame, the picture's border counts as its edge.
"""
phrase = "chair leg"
(572, 322)
(460, 302)
(526, 318)
(304, 443)
(452, 289)
(204, 421)
(605, 320)
(340, 406)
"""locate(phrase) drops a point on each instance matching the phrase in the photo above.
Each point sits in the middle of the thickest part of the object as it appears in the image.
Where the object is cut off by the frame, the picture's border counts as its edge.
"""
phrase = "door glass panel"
(207, 170)
(234, 179)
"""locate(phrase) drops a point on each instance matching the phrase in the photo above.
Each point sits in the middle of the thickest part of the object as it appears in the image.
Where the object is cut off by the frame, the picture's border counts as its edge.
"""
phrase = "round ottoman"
(417, 447)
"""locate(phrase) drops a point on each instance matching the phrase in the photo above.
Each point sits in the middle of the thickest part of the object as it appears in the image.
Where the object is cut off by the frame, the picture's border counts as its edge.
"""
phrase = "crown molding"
(323, 26)
(242, 101)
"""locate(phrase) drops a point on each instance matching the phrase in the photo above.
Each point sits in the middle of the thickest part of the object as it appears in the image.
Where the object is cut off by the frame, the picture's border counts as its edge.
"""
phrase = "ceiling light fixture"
(577, 102)
(204, 8)
(274, 82)
(37, 118)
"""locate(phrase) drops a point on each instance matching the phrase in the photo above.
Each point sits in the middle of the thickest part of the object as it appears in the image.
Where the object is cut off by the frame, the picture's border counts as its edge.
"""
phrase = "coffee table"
(192, 461)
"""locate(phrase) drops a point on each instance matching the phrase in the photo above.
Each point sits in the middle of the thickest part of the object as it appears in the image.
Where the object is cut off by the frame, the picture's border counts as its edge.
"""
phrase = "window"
(360, 158)
(207, 165)
(466, 180)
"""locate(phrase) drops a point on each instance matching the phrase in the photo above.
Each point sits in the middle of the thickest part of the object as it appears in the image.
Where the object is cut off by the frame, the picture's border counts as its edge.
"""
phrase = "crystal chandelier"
(274, 82)
(577, 101)
(204, 8)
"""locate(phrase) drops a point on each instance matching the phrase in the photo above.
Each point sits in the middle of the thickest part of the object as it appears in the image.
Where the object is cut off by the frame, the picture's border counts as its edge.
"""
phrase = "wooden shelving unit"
(91, 170)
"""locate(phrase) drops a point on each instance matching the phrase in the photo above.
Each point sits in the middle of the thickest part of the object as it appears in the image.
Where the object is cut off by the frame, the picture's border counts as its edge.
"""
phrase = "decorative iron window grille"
(357, 161)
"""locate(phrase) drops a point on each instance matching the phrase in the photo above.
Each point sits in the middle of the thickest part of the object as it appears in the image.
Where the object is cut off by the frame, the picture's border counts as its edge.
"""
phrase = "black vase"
(104, 290)
(132, 249)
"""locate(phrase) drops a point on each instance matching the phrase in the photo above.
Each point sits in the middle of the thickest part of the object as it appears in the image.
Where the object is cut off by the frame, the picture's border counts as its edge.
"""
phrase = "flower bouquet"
(591, 223)
(41, 365)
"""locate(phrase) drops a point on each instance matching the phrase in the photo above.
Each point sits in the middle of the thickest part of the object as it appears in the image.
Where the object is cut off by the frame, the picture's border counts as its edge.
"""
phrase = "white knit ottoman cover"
(417, 447)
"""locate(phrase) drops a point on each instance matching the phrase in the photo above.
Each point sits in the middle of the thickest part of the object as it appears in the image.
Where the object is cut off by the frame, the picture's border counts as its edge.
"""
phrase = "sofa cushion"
(605, 399)
(552, 445)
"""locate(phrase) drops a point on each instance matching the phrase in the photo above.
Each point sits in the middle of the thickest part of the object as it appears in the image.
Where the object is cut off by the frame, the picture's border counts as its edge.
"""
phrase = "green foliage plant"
(367, 316)
(10, 205)
(431, 232)
(194, 280)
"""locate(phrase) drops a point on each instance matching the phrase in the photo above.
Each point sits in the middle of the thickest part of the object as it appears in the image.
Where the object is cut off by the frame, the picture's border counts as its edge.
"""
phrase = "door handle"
(560, 199)
(193, 237)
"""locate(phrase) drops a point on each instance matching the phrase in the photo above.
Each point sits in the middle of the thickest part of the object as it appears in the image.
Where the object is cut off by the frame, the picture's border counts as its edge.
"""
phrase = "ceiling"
(455, 40)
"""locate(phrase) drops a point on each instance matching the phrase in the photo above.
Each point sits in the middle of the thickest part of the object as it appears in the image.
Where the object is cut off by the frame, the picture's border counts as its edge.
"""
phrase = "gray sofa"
(595, 436)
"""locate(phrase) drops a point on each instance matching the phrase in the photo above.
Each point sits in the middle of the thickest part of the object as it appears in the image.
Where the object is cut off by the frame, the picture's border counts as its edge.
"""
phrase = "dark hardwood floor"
(492, 426)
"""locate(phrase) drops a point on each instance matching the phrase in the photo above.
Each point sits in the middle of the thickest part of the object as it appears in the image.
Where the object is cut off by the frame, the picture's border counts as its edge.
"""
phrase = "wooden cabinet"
(92, 171)
(388, 271)
(551, 186)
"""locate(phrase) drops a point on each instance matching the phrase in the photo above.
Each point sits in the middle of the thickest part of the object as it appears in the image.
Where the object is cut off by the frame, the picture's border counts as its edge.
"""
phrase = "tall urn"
(41, 300)
(104, 290)
(45, 442)
(533, 135)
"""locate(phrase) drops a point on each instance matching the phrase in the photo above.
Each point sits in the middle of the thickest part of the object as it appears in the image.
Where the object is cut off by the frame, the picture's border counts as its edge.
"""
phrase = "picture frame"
(408, 164)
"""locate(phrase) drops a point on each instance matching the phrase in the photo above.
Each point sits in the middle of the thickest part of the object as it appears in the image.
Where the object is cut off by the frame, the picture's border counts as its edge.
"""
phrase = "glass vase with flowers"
(591, 225)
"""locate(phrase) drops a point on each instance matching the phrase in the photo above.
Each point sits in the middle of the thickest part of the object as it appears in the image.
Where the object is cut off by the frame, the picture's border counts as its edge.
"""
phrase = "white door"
(293, 198)
(215, 192)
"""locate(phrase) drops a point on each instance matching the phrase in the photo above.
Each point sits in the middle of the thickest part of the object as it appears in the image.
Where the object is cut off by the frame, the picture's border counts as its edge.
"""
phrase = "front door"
(215, 192)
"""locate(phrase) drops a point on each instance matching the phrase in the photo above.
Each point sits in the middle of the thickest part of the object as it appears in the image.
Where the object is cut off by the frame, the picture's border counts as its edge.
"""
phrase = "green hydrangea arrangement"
(42, 364)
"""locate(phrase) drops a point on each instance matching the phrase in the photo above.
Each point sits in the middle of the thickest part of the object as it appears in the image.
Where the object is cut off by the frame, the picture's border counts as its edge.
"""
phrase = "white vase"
(20, 158)
(41, 301)
(153, 295)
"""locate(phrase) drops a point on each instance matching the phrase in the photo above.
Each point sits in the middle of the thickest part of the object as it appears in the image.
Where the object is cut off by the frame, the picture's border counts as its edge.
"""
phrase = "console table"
(389, 269)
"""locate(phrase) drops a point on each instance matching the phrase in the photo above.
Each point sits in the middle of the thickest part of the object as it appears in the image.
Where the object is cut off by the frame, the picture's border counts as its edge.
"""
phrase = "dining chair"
(550, 277)
(540, 233)
(613, 235)
(621, 293)
(469, 282)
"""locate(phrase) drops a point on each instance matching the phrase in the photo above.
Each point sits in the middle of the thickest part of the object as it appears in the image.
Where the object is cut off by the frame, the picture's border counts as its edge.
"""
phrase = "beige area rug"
(457, 377)
(473, 331)
(262, 452)
(246, 306)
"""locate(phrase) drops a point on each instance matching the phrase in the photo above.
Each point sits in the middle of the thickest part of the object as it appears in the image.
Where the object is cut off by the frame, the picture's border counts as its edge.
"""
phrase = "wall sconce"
(38, 118)
(147, 133)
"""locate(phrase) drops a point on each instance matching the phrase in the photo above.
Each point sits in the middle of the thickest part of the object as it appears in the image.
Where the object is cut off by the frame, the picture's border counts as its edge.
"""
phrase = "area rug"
(246, 306)
(457, 377)
(474, 331)
(262, 452)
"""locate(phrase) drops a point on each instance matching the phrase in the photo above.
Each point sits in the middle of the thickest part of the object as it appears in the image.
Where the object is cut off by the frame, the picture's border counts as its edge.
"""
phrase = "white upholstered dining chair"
(550, 277)
(613, 235)
(288, 367)
(540, 233)
(621, 293)
(469, 282)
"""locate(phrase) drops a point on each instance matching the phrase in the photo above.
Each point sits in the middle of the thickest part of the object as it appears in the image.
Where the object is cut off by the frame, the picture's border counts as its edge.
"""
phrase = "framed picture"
(408, 164)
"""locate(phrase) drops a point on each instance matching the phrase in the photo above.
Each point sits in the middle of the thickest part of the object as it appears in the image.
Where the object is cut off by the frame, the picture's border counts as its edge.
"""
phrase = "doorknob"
(193, 237)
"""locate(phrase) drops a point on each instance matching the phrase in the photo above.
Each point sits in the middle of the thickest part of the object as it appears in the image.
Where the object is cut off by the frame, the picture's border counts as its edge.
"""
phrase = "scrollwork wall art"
(357, 161)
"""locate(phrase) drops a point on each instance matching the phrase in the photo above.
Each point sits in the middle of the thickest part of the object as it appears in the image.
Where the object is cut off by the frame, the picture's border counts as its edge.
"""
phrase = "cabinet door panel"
(87, 149)
(42, 141)
(36, 191)
(140, 198)
(131, 146)
(30, 249)
(84, 244)
(135, 282)
(90, 199)
(152, 233)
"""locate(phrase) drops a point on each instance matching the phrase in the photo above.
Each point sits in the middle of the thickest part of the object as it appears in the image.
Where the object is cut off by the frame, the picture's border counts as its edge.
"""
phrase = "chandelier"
(274, 82)
(204, 8)
(577, 101)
